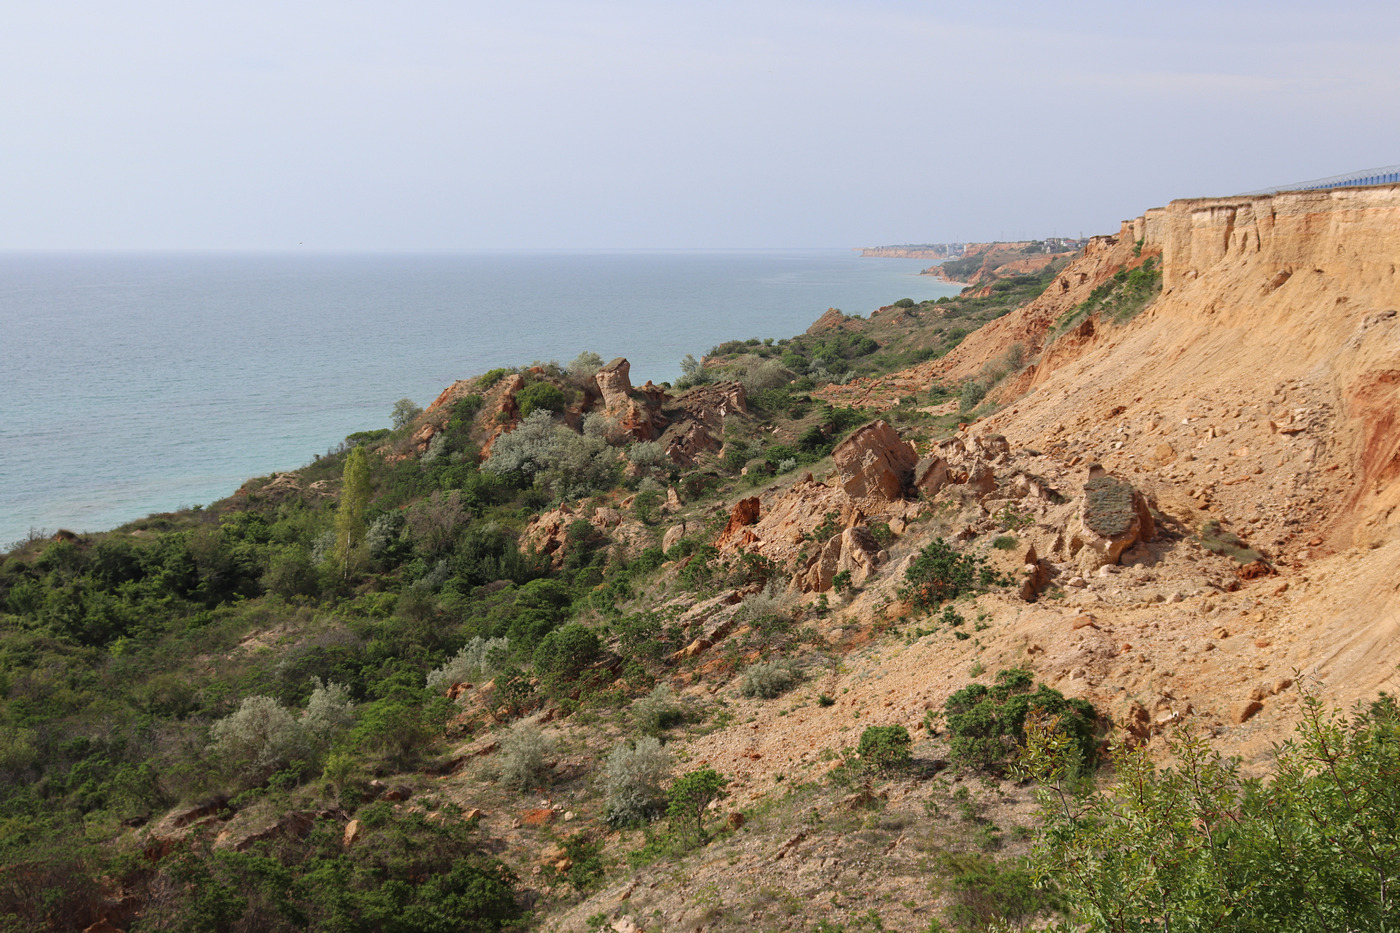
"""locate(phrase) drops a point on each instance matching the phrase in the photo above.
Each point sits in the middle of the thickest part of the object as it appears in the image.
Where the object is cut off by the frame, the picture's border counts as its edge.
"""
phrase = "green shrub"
(1198, 846)
(491, 377)
(884, 748)
(940, 574)
(989, 894)
(523, 757)
(987, 724)
(770, 680)
(566, 651)
(540, 396)
(690, 796)
(971, 395)
(632, 779)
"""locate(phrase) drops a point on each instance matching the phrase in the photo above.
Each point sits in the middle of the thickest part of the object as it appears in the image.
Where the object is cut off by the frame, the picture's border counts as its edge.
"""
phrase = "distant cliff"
(921, 251)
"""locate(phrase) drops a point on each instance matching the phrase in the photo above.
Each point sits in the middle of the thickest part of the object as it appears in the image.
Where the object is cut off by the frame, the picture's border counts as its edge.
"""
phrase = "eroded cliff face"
(1261, 389)
(1258, 395)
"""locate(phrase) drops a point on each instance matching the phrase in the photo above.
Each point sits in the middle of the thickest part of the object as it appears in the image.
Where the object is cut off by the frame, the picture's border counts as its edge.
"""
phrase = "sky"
(417, 125)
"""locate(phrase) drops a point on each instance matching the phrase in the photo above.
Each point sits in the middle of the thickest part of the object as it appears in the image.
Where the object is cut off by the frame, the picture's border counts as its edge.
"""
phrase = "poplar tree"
(350, 517)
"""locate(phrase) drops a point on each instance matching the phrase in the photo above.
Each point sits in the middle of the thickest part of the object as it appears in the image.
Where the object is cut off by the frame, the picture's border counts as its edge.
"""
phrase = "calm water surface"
(137, 383)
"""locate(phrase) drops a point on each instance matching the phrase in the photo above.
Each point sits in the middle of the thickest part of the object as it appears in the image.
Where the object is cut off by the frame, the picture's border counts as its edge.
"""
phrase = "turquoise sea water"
(137, 383)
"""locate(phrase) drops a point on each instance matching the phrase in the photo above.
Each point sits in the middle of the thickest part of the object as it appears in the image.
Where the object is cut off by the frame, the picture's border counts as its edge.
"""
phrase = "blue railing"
(1389, 175)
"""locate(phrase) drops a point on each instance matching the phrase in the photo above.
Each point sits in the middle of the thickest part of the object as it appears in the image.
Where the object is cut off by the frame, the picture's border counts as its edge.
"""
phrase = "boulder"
(675, 533)
(615, 383)
(875, 463)
(1034, 575)
(1112, 518)
(981, 479)
(854, 550)
(931, 474)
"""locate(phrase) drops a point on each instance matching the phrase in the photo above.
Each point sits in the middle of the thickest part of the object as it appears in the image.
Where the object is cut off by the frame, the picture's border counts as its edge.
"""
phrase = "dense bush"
(478, 660)
(657, 711)
(585, 365)
(524, 756)
(632, 779)
(940, 574)
(566, 651)
(540, 396)
(528, 449)
(884, 748)
(404, 875)
(1198, 846)
(986, 725)
(262, 737)
(770, 680)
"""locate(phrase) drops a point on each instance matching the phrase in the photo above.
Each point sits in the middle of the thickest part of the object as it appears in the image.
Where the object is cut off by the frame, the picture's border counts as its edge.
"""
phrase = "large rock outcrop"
(697, 420)
(639, 418)
(875, 463)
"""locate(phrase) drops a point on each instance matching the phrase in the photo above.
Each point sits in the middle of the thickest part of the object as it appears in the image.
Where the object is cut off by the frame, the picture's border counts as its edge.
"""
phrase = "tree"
(350, 516)
(690, 797)
(404, 413)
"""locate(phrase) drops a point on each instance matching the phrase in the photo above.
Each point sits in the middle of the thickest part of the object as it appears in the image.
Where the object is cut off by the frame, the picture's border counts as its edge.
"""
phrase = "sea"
(134, 383)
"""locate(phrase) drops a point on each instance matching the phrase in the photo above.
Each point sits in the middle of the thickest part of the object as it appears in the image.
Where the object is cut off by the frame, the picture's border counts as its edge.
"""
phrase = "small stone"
(352, 833)
(1262, 642)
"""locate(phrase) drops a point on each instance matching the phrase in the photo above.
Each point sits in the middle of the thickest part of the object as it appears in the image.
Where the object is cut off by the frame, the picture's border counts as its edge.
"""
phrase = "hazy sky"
(348, 125)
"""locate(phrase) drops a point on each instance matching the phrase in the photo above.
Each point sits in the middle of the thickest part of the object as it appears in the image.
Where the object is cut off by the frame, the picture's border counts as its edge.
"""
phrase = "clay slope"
(1261, 390)
(1260, 393)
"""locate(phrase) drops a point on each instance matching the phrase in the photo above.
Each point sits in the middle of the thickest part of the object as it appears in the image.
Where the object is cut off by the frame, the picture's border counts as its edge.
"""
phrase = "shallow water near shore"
(142, 382)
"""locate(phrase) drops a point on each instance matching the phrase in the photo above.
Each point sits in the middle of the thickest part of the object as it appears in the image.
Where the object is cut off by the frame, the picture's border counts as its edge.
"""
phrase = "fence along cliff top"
(1388, 175)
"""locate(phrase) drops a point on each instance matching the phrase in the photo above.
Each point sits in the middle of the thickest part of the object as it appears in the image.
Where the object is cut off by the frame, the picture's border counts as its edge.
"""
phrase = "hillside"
(453, 674)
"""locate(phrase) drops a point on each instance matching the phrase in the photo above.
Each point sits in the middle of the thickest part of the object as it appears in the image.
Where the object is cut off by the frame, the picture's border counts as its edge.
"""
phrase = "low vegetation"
(244, 717)
(1196, 845)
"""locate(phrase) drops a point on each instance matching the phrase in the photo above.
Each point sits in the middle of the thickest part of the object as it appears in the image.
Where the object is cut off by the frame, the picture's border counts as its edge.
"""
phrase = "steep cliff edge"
(1257, 394)
(1261, 389)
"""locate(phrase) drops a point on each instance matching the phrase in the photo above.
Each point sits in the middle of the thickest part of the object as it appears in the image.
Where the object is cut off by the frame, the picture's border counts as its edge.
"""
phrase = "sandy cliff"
(1260, 392)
